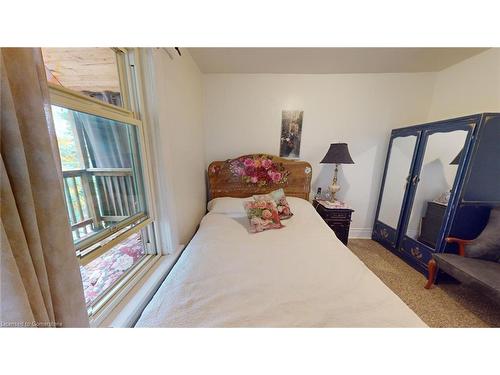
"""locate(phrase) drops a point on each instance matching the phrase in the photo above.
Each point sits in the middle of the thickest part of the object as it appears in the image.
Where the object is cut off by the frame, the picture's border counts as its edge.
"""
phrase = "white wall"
(471, 86)
(179, 142)
(242, 114)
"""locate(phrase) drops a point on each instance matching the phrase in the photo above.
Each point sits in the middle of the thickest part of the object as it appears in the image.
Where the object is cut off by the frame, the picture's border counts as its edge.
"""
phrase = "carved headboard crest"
(258, 174)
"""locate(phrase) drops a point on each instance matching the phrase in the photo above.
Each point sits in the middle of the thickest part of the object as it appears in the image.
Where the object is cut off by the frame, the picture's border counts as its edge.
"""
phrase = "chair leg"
(432, 268)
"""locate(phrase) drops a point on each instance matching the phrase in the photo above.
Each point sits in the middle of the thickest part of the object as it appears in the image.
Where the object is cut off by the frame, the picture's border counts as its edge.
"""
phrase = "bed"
(297, 276)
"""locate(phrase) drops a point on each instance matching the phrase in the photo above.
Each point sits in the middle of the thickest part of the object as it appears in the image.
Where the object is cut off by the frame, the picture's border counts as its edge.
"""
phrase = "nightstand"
(338, 219)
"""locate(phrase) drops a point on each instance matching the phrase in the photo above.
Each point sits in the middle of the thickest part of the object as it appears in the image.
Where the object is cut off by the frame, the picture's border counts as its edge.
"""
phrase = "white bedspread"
(297, 276)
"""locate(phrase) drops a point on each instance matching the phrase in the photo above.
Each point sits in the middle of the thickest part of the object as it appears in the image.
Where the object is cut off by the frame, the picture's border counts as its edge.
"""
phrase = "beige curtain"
(39, 274)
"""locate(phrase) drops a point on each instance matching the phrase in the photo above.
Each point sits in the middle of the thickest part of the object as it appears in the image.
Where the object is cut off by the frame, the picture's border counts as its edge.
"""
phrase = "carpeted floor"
(448, 304)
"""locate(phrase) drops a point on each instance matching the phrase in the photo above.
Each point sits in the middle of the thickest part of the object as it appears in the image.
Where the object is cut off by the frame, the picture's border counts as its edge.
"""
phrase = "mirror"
(437, 175)
(398, 169)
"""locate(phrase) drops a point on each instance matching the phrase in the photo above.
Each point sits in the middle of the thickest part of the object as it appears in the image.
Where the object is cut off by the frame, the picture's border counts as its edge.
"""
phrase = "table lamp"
(338, 153)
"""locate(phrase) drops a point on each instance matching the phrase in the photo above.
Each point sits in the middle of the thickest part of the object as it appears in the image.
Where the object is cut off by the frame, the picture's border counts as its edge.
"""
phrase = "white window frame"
(131, 99)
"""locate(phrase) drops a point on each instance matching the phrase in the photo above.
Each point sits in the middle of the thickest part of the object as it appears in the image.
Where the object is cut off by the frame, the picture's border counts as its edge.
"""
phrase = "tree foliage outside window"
(66, 138)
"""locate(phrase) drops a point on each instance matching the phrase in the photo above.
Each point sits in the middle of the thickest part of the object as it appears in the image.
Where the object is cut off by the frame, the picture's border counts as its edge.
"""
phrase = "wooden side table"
(338, 219)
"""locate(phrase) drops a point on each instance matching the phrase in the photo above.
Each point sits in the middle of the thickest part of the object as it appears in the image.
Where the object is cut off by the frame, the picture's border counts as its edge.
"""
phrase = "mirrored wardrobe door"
(397, 174)
(433, 185)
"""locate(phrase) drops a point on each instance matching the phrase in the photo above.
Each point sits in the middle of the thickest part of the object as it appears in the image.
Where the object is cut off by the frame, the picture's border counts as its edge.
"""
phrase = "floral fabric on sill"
(102, 273)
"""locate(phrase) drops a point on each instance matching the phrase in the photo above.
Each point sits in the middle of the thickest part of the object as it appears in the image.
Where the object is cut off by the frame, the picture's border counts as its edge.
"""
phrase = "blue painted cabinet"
(440, 179)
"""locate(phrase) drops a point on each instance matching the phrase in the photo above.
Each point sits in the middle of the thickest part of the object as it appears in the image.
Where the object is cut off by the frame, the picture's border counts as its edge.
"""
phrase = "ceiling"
(328, 60)
(82, 69)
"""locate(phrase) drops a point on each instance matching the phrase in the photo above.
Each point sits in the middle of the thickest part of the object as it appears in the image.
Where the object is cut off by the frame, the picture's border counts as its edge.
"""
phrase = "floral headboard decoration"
(259, 169)
(252, 174)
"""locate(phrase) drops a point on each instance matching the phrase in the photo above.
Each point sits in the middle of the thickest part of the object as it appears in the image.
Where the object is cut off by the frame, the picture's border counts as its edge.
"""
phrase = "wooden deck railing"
(96, 197)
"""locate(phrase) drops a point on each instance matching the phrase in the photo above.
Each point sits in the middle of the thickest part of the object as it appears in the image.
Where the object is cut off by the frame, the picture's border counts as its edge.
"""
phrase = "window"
(90, 71)
(102, 175)
(105, 185)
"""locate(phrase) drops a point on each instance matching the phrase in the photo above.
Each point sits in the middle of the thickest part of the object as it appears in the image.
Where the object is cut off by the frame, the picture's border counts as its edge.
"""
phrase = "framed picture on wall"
(291, 133)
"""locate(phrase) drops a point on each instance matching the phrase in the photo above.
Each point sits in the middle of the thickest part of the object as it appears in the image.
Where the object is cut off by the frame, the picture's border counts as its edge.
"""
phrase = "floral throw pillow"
(278, 196)
(263, 215)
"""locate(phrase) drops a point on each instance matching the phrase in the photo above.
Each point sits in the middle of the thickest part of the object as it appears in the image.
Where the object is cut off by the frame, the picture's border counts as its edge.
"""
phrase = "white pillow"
(227, 205)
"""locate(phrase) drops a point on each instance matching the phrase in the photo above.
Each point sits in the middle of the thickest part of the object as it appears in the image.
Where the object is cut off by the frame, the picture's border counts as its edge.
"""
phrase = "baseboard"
(360, 233)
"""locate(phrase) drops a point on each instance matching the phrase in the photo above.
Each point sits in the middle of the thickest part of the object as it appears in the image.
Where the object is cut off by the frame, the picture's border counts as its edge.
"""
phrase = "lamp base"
(334, 187)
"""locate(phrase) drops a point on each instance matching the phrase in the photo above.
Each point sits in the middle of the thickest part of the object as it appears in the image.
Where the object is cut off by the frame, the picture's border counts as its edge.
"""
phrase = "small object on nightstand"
(318, 194)
(337, 215)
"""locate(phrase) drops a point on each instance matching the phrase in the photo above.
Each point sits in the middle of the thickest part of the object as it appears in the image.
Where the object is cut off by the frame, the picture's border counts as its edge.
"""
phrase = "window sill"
(129, 309)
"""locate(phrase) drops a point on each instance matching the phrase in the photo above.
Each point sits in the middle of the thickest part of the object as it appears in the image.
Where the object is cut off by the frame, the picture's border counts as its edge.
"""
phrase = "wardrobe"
(440, 180)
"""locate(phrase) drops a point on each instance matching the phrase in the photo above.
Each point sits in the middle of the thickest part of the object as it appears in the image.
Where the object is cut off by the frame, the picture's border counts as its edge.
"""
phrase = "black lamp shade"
(338, 153)
(456, 160)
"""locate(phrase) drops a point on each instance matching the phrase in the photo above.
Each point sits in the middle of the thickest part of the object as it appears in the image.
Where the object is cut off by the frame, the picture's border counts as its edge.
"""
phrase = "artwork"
(291, 132)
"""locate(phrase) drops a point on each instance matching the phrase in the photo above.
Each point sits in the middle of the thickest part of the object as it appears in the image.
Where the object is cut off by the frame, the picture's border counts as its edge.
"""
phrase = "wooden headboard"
(252, 174)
